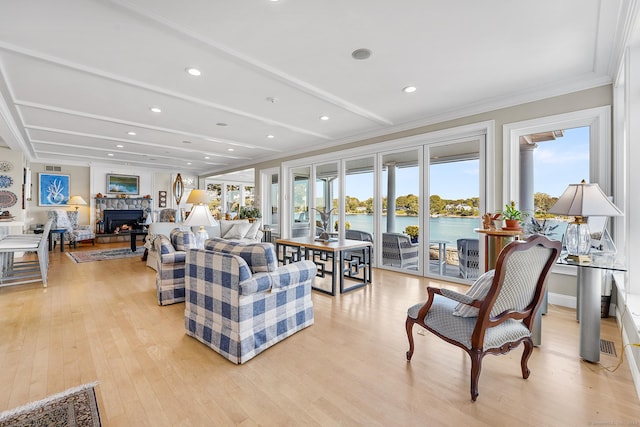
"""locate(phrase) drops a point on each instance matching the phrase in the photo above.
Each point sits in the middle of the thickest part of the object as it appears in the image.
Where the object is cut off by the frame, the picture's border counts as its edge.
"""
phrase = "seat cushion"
(440, 318)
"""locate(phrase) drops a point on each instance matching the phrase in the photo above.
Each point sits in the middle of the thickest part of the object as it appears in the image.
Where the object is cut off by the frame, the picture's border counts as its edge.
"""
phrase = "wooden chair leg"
(409, 326)
(476, 366)
(528, 351)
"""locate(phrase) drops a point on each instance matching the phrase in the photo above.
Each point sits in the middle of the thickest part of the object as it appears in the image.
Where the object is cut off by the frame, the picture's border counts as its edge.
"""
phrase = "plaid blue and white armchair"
(239, 302)
(170, 264)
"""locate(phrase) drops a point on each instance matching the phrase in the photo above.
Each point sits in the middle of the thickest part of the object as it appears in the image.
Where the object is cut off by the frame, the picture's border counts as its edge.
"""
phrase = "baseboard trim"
(562, 300)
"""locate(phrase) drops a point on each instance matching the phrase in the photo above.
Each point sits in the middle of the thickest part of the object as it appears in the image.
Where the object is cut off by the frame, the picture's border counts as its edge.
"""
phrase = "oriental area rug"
(104, 254)
(74, 407)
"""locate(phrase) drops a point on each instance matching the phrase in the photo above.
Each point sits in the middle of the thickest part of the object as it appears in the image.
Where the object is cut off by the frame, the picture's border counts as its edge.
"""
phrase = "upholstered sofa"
(239, 302)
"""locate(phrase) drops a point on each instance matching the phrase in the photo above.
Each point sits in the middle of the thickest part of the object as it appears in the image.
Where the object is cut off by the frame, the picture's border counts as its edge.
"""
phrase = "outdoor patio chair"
(398, 251)
(469, 258)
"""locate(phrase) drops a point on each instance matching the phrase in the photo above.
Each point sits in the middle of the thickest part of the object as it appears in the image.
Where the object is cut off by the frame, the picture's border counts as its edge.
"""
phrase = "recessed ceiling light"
(361, 54)
(120, 146)
(132, 133)
(325, 118)
(221, 124)
(188, 163)
(156, 109)
(207, 157)
(409, 89)
(270, 136)
(193, 71)
(110, 154)
(231, 149)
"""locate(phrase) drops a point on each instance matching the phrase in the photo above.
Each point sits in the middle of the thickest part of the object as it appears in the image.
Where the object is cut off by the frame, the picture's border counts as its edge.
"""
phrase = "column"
(391, 196)
(526, 178)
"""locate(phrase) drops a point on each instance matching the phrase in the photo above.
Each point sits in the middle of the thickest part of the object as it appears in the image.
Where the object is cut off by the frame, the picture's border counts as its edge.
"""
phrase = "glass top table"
(589, 280)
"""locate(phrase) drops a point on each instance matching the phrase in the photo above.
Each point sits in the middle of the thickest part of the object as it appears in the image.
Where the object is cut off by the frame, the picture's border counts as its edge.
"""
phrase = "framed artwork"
(123, 184)
(53, 189)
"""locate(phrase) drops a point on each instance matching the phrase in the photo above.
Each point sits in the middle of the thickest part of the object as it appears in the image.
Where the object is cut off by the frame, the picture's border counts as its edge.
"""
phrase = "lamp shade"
(584, 200)
(200, 215)
(198, 197)
(76, 200)
(581, 201)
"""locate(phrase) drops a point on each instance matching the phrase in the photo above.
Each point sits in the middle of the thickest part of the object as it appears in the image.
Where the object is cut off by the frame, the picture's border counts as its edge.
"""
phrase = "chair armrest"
(173, 258)
(292, 274)
(456, 296)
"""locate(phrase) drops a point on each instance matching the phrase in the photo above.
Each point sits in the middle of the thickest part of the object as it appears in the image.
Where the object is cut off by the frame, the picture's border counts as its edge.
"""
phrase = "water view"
(448, 228)
(442, 228)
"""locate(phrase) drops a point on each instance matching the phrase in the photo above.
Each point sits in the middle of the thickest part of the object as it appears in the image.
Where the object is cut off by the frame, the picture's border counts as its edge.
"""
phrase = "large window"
(560, 157)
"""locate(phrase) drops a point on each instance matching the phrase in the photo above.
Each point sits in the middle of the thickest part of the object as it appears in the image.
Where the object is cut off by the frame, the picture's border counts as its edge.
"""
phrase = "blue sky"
(557, 164)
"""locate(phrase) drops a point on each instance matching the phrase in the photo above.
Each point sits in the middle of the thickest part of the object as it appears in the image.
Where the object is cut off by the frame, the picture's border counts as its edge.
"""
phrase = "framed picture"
(123, 184)
(53, 189)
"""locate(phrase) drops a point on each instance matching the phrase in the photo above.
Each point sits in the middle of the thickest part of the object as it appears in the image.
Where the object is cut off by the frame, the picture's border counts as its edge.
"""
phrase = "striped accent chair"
(75, 232)
(170, 265)
(238, 312)
(506, 313)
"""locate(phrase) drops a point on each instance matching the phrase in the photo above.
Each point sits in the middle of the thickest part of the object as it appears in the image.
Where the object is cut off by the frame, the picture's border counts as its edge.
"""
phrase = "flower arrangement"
(412, 231)
(249, 212)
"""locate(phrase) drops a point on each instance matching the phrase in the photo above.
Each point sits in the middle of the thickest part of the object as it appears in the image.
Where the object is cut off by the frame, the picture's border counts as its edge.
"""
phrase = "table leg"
(589, 303)
(50, 242)
(334, 271)
(133, 242)
(62, 241)
(442, 253)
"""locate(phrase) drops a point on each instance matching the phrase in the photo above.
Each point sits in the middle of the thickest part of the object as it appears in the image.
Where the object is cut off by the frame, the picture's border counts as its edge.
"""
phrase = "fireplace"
(115, 219)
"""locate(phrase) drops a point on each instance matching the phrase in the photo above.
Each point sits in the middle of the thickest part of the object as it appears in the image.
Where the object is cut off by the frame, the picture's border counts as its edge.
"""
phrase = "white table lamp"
(581, 201)
(200, 215)
(76, 201)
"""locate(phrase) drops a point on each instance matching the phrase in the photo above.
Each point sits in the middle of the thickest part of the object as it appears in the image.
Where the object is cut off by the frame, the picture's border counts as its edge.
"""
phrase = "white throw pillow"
(238, 231)
(253, 230)
(62, 220)
(478, 290)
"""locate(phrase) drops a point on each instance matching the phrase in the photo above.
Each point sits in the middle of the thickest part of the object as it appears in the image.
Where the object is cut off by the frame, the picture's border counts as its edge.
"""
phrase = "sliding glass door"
(400, 221)
(453, 192)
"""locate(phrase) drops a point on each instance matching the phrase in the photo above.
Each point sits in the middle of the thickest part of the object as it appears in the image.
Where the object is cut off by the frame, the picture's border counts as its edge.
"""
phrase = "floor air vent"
(607, 347)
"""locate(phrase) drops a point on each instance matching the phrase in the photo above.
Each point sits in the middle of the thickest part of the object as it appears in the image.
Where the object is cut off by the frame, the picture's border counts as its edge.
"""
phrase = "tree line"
(409, 205)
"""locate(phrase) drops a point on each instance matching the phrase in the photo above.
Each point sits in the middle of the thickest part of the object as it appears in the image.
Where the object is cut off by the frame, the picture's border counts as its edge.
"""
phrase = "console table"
(335, 251)
(589, 279)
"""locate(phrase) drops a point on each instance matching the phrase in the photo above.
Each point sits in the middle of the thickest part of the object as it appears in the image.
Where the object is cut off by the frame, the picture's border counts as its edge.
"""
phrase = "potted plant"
(512, 216)
(412, 231)
(249, 212)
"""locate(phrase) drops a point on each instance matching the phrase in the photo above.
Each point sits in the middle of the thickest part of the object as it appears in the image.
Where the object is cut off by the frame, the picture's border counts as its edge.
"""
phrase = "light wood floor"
(100, 322)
